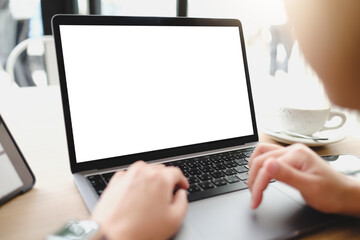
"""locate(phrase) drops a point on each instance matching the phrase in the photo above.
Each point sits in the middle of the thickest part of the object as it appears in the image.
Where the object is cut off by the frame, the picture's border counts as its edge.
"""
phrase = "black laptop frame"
(59, 20)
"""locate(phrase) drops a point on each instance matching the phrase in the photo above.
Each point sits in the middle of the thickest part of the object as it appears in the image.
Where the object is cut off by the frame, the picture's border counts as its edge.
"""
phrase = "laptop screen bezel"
(59, 20)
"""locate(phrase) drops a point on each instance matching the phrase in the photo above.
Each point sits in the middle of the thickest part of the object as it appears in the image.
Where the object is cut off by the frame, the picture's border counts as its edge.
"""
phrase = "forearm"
(351, 198)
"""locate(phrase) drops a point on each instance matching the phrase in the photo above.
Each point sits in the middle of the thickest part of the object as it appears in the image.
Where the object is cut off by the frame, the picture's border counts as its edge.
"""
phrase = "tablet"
(16, 176)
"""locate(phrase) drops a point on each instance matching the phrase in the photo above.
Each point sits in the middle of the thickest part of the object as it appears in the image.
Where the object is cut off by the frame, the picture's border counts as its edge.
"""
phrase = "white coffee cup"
(308, 121)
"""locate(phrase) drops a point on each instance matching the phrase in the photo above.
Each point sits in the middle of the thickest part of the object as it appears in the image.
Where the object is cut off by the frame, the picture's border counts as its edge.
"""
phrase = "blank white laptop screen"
(134, 89)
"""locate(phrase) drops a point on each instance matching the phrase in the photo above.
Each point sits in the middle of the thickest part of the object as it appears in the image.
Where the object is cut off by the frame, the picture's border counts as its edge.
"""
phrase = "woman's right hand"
(298, 166)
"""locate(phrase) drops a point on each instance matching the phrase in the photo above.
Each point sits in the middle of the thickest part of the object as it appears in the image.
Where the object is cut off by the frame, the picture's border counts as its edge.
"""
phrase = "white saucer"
(333, 137)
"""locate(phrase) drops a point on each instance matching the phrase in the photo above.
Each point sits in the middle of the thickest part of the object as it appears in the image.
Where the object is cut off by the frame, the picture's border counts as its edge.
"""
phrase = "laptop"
(173, 91)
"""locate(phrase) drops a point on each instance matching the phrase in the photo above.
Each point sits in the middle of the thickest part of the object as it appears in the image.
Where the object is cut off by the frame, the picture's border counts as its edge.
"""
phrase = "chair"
(49, 58)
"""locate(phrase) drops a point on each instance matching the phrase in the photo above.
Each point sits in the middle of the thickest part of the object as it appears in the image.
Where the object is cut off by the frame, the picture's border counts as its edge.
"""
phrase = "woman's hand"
(140, 203)
(322, 187)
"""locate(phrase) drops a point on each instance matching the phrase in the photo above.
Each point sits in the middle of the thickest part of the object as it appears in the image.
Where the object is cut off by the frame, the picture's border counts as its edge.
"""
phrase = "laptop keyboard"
(208, 176)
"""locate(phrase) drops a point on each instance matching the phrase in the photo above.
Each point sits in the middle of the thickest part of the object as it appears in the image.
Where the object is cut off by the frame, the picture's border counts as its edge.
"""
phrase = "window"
(166, 8)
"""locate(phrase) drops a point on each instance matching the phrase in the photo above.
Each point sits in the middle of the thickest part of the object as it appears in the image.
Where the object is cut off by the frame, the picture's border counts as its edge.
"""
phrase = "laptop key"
(206, 169)
(206, 185)
(183, 167)
(96, 180)
(225, 158)
(217, 174)
(108, 176)
(192, 180)
(193, 188)
(219, 182)
(239, 155)
(231, 179)
(192, 164)
(218, 166)
(217, 191)
(205, 162)
(204, 177)
(242, 176)
(247, 154)
(216, 160)
(98, 183)
(241, 161)
(229, 171)
(231, 164)
(241, 169)
(194, 172)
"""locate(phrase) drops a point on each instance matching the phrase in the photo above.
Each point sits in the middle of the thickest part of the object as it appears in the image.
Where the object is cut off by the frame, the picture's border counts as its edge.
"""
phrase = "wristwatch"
(78, 230)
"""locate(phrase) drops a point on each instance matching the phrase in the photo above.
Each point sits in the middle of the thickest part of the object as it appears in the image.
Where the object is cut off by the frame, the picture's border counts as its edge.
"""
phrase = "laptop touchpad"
(229, 217)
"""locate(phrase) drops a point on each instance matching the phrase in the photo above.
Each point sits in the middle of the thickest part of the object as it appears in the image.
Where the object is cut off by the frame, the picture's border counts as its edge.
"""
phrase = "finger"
(278, 169)
(179, 205)
(259, 161)
(176, 177)
(136, 168)
(281, 170)
(136, 165)
(115, 179)
(261, 149)
(265, 174)
(157, 166)
(117, 176)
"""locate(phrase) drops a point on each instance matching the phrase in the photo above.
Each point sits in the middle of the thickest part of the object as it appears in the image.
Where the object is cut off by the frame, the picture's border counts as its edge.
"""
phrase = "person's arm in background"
(140, 203)
(328, 32)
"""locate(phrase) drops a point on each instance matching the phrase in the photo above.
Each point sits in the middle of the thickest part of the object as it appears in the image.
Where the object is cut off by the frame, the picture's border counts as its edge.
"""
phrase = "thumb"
(179, 205)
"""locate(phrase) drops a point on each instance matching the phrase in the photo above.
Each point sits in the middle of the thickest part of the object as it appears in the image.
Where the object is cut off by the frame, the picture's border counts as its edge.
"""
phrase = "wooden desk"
(34, 116)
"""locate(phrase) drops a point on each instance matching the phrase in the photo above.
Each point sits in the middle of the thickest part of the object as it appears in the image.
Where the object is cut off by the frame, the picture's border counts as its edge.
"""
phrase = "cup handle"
(331, 116)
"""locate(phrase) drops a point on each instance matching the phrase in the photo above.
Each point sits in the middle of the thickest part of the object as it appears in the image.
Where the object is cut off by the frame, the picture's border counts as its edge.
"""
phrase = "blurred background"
(278, 71)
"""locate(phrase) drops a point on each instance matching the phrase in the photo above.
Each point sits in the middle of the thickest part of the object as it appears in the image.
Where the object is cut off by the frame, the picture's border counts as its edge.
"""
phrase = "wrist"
(114, 230)
(79, 230)
(100, 235)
